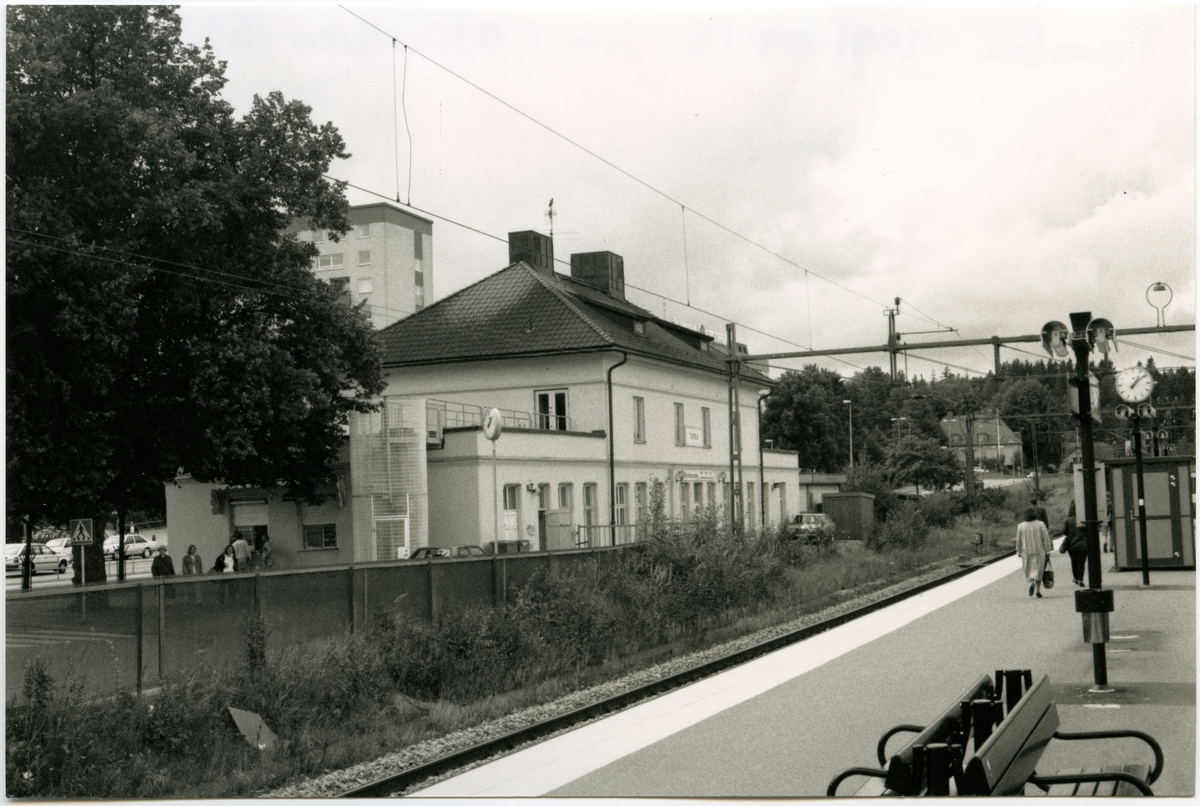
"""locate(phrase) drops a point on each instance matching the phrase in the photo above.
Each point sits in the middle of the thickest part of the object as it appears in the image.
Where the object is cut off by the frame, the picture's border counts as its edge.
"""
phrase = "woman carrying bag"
(1075, 544)
(1034, 547)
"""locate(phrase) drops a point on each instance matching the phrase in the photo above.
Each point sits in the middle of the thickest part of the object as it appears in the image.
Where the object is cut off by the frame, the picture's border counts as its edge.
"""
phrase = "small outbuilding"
(853, 513)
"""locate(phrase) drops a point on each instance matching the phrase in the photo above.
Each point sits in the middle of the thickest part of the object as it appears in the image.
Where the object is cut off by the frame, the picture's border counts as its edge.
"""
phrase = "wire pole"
(1096, 618)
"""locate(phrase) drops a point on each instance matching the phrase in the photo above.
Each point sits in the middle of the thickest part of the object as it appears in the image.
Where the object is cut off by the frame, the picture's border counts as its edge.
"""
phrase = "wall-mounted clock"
(1135, 384)
(492, 424)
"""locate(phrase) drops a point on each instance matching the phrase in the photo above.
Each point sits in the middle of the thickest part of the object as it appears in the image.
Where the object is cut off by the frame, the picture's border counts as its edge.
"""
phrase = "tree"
(806, 414)
(158, 317)
(922, 462)
(1028, 405)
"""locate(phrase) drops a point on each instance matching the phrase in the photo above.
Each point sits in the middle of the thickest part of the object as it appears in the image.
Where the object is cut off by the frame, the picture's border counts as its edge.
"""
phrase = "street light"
(1160, 310)
(850, 403)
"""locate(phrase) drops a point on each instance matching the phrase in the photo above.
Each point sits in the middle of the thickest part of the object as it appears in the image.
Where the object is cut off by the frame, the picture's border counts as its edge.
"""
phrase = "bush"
(905, 528)
(874, 480)
(941, 509)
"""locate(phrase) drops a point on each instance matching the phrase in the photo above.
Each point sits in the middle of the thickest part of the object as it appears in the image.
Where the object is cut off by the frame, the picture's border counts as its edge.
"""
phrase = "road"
(134, 569)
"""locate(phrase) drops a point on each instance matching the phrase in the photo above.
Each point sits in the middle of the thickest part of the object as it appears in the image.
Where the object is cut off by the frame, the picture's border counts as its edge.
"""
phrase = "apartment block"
(385, 260)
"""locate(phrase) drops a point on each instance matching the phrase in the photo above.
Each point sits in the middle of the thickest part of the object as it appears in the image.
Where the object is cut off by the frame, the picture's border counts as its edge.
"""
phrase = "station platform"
(785, 724)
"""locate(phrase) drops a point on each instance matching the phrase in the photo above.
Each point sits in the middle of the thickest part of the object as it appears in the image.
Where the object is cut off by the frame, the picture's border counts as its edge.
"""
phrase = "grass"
(342, 701)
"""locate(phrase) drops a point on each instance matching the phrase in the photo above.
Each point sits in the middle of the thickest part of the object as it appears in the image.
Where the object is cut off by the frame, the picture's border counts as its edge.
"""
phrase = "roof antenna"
(550, 214)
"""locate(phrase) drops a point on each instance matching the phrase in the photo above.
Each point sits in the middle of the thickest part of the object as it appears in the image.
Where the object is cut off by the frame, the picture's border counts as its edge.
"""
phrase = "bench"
(1006, 761)
(896, 776)
(1008, 726)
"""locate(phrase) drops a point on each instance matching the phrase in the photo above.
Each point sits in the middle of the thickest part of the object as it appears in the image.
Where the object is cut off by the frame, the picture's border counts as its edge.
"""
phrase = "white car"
(135, 546)
(44, 559)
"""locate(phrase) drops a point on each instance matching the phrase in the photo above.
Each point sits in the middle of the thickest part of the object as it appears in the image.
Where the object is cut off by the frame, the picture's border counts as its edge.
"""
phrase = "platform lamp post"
(850, 403)
(1093, 604)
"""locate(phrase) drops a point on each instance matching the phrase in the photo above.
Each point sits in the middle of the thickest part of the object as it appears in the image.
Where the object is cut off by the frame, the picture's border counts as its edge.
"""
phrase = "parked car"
(60, 544)
(135, 546)
(811, 527)
(446, 552)
(44, 559)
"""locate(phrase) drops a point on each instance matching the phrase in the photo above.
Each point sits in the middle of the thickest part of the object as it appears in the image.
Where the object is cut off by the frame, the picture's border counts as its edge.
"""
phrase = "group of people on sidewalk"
(1034, 546)
(238, 556)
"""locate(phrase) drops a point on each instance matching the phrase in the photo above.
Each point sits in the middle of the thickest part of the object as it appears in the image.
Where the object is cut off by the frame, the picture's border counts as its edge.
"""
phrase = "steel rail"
(401, 781)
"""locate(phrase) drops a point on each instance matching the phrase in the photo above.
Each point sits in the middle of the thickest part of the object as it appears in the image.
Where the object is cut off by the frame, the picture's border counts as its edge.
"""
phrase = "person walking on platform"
(1039, 512)
(1033, 546)
(1075, 544)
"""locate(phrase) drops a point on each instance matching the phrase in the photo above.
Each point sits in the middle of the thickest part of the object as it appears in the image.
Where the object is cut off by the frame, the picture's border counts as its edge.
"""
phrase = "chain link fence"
(133, 635)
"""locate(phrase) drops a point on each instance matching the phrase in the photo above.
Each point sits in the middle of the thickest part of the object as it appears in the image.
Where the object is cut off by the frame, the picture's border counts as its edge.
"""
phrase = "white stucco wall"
(460, 480)
(192, 520)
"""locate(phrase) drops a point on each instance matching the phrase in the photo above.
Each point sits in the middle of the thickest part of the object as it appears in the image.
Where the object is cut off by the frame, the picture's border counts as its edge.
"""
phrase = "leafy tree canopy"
(158, 317)
(806, 414)
(922, 462)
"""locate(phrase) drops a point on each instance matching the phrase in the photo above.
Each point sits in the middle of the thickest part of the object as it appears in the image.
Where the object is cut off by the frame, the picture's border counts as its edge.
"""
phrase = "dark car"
(811, 527)
(446, 552)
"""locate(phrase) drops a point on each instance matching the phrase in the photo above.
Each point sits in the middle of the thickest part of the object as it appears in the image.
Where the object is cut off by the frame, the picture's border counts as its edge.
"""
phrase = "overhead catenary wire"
(407, 129)
(1158, 350)
(630, 176)
(82, 252)
(560, 261)
(243, 282)
(609, 163)
(395, 123)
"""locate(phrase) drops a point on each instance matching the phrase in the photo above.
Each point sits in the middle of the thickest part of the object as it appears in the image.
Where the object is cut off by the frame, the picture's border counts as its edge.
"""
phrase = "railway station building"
(605, 409)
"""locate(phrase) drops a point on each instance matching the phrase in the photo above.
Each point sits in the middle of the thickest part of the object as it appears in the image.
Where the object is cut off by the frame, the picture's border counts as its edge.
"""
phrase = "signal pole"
(1094, 604)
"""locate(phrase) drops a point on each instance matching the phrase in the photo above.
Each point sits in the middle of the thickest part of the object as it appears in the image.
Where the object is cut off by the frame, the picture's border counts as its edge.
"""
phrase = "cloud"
(991, 167)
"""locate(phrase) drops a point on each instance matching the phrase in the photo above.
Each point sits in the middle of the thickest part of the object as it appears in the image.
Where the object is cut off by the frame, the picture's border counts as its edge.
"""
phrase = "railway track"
(400, 782)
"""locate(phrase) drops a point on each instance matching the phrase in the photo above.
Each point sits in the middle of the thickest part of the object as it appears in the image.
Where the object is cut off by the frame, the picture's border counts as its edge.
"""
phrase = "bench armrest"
(870, 772)
(1123, 734)
(881, 748)
(1046, 781)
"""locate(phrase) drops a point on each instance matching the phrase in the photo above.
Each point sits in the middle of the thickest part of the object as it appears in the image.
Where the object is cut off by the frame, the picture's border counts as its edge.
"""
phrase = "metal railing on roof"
(443, 414)
(604, 536)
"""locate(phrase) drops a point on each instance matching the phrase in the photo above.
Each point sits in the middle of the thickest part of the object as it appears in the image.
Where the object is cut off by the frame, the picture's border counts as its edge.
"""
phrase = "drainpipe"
(762, 490)
(612, 464)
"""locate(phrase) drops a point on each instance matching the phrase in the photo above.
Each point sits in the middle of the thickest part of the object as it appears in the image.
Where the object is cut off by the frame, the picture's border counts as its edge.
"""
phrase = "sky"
(792, 170)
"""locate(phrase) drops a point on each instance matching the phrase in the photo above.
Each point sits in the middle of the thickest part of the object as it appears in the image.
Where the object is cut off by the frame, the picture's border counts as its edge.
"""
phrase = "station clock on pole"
(1135, 384)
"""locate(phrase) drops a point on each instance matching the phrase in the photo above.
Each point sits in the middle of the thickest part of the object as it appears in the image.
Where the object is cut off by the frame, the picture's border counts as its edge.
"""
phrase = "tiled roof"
(520, 311)
(983, 424)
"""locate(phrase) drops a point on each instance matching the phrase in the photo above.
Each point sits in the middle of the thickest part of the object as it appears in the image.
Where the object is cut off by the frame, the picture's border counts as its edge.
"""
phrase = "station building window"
(551, 407)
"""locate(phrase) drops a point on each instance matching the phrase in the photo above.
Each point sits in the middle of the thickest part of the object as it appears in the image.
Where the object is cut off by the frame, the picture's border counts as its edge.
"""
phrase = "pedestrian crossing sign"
(81, 532)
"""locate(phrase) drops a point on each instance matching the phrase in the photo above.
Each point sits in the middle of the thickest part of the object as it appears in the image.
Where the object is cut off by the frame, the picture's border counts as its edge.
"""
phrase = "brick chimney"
(601, 270)
(532, 247)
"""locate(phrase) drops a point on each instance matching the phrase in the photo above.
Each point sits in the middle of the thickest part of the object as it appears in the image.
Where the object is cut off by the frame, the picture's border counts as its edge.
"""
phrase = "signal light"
(1054, 339)
(1100, 332)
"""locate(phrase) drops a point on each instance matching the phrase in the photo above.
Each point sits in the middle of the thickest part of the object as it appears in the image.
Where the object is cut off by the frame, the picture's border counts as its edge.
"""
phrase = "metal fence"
(133, 635)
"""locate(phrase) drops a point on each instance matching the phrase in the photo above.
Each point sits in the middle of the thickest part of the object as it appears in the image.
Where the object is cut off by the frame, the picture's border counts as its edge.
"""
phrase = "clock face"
(492, 424)
(1135, 384)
